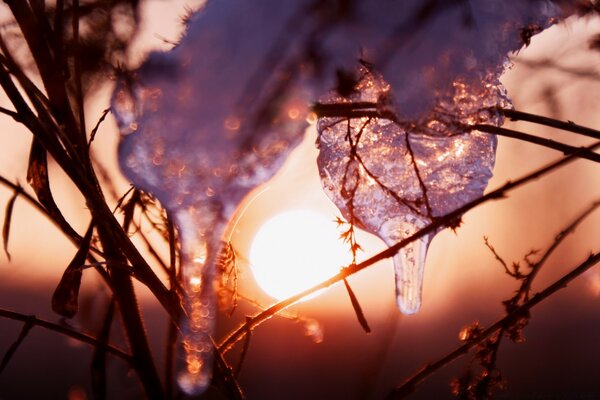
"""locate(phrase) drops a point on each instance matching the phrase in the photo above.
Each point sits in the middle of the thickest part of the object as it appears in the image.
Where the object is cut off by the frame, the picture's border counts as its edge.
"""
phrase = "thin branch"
(169, 361)
(370, 110)
(558, 239)
(13, 348)
(76, 240)
(565, 148)
(581, 73)
(77, 71)
(63, 330)
(52, 79)
(229, 379)
(98, 365)
(11, 114)
(446, 220)
(498, 258)
(482, 383)
(418, 174)
(352, 110)
(245, 348)
(569, 126)
(409, 385)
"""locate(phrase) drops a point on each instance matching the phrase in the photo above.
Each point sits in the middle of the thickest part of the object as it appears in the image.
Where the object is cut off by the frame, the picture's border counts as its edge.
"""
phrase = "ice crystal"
(392, 178)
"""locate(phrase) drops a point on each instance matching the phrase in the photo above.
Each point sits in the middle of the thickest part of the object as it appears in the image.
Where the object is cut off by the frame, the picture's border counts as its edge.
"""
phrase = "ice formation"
(393, 179)
(204, 124)
(189, 137)
(396, 151)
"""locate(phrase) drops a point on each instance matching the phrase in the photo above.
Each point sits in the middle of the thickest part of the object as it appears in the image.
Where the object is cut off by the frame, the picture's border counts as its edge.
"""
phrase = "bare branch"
(63, 330)
(410, 384)
(441, 222)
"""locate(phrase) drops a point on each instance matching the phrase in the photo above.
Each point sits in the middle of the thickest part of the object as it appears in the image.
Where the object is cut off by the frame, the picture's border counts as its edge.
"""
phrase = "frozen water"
(440, 64)
(204, 124)
(193, 136)
(392, 178)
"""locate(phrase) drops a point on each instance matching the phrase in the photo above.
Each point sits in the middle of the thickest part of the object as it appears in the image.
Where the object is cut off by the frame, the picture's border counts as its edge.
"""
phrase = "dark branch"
(446, 220)
(409, 385)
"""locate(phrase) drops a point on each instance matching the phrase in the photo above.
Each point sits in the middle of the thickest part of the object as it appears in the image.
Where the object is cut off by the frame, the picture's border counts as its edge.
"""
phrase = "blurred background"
(318, 350)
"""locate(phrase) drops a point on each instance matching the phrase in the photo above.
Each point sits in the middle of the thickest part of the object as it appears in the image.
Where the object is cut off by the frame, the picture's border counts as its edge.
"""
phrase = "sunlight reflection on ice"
(207, 122)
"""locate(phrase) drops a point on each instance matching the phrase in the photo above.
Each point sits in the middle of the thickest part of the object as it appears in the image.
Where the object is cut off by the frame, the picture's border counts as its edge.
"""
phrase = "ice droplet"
(392, 178)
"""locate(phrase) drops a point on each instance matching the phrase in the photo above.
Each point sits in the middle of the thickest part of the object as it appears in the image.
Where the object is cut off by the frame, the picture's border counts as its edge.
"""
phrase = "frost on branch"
(392, 178)
(204, 124)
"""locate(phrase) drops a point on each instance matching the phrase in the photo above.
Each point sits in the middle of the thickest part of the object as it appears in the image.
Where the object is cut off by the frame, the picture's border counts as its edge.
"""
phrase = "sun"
(296, 250)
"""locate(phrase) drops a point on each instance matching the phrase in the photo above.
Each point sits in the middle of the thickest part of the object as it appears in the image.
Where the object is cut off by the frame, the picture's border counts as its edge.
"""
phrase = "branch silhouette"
(409, 385)
(447, 220)
(79, 336)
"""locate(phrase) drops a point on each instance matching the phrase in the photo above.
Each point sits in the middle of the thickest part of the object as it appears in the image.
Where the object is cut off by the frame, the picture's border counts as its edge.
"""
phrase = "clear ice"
(392, 179)
(205, 123)
(197, 139)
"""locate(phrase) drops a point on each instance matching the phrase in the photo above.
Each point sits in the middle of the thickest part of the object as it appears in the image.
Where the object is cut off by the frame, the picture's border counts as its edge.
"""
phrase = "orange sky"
(462, 280)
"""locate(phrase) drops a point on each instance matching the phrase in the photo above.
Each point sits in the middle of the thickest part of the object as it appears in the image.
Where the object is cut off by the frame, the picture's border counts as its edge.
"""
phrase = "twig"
(549, 64)
(446, 220)
(77, 70)
(98, 365)
(419, 177)
(498, 258)
(370, 110)
(481, 384)
(565, 148)
(569, 126)
(13, 348)
(170, 349)
(240, 363)
(409, 385)
(558, 239)
(63, 330)
(229, 379)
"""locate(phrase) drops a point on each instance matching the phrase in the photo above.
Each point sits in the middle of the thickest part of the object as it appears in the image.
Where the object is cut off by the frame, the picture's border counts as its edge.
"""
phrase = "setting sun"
(296, 250)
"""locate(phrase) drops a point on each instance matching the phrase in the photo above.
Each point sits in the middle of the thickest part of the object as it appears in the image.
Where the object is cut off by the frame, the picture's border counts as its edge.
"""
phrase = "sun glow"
(296, 250)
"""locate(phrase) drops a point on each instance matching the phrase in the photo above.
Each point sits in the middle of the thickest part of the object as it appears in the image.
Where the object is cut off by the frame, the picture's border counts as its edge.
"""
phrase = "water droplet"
(314, 330)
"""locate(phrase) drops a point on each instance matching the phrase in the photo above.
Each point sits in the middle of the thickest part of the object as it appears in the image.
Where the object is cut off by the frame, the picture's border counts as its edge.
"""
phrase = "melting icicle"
(408, 262)
(198, 275)
(393, 181)
(194, 137)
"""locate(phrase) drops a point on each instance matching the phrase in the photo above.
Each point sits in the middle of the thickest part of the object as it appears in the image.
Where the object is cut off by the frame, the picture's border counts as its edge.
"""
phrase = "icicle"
(409, 262)
(199, 249)
(193, 137)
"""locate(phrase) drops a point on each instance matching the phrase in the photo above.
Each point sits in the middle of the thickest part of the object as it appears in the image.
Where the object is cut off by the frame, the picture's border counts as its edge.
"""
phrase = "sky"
(463, 281)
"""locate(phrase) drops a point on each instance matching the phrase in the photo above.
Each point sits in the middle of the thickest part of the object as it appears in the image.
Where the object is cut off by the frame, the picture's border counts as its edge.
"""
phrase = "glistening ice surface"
(196, 138)
(207, 122)
(392, 179)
